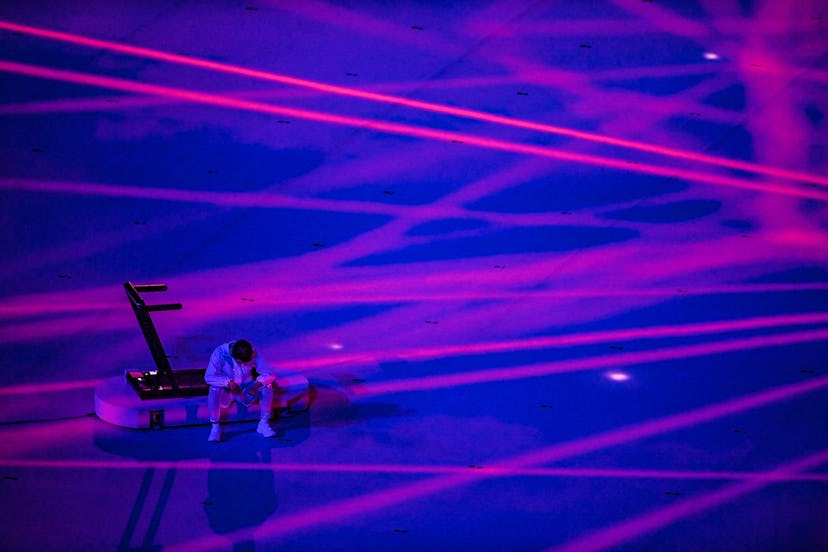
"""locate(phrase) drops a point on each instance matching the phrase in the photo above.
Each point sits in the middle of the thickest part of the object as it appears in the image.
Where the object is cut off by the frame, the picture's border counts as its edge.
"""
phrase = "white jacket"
(223, 368)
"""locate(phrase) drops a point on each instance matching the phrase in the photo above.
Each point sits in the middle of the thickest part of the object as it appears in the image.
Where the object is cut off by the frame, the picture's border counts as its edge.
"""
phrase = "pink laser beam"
(590, 363)
(776, 476)
(54, 387)
(399, 129)
(437, 108)
(344, 509)
(654, 332)
(649, 522)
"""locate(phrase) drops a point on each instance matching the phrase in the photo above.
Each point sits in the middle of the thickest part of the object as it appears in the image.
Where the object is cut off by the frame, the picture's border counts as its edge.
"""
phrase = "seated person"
(238, 373)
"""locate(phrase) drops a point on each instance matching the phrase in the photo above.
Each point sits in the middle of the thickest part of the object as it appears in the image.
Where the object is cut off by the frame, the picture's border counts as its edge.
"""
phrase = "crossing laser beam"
(400, 129)
(149, 53)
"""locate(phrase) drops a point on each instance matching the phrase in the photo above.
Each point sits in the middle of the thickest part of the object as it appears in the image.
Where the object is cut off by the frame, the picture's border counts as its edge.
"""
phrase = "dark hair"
(242, 350)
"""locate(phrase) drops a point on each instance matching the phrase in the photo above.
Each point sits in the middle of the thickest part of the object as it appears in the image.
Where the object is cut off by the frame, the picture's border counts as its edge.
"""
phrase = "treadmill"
(163, 382)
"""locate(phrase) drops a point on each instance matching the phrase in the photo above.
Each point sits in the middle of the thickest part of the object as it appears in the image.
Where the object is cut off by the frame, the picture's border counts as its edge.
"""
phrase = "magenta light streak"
(326, 294)
(666, 19)
(655, 332)
(53, 387)
(81, 105)
(33, 439)
(16, 312)
(629, 73)
(667, 424)
(52, 328)
(89, 245)
(291, 523)
(647, 523)
(49, 305)
(263, 199)
(570, 28)
(611, 336)
(413, 469)
(122, 103)
(590, 363)
(327, 13)
(401, 129)
(327, 297)
(459, 112)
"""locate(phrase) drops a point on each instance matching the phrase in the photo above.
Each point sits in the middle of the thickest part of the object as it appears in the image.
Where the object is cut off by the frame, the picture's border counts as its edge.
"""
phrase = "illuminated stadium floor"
(557, 272)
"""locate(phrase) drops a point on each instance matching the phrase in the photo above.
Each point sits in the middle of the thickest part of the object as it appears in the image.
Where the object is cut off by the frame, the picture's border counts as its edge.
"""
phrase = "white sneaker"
(215, 433)
(264, 429)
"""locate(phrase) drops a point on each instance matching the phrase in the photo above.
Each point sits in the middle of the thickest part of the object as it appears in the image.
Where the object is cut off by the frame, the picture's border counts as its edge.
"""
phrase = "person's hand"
(234, 387)
(253, 390)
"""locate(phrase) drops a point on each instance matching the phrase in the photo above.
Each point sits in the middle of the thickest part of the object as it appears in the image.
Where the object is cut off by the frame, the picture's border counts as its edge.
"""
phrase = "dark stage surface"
(557, 271)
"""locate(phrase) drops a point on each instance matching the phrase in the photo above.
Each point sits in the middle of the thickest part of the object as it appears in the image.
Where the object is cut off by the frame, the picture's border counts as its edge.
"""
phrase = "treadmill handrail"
(142, 314)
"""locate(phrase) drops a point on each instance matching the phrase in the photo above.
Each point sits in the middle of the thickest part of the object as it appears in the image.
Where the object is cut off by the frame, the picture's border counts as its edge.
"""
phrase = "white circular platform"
(117, 403)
